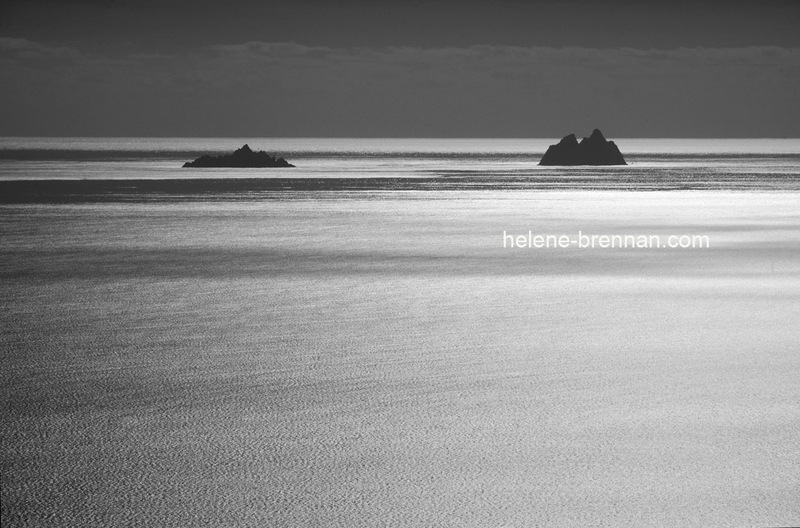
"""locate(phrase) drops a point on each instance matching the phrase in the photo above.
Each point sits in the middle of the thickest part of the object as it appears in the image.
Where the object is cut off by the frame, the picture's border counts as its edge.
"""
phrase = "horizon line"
(372, 137)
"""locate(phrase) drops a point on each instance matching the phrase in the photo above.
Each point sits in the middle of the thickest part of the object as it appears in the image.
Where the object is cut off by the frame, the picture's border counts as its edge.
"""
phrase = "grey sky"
(434, 68)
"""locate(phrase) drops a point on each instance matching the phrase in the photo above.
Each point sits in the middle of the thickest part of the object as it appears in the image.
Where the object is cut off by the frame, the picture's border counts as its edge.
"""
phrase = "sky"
(434, 68)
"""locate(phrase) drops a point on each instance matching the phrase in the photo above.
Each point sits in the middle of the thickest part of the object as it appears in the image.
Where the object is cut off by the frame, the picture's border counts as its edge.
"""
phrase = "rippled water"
(379, 359)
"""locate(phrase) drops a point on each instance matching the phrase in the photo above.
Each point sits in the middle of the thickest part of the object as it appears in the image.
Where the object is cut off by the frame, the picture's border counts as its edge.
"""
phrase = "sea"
(399, 332)
(652, 163)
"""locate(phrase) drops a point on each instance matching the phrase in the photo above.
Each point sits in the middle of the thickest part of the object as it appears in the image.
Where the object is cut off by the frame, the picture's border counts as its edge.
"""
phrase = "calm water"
(378, 358)
(770, 164)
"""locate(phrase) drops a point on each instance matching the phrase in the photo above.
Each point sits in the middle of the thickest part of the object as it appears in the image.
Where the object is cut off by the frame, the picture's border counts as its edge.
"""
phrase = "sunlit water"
(379, 359)
(771, 164)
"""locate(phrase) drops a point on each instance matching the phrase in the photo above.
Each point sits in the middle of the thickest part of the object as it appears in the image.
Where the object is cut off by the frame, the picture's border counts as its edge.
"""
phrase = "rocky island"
(241, 158)
(594, 150)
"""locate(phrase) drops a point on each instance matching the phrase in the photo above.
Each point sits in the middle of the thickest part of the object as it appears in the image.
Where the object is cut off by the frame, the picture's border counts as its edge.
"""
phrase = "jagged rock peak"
(243, 157)
(594, 150)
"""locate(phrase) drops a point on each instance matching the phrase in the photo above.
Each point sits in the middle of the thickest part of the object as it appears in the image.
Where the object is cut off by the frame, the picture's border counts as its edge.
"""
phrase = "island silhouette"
(241, 158)
(594, 150)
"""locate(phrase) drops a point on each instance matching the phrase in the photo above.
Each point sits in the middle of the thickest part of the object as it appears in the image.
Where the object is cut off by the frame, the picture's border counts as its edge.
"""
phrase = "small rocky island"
(594, 150)
(241, 158)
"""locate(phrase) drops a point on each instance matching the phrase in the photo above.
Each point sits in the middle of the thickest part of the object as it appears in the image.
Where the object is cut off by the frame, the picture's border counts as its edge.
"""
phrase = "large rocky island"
(594, 150)
(241, 158)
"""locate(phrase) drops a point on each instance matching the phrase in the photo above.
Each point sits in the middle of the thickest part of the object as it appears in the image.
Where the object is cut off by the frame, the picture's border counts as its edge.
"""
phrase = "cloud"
(23, 49)
(285, 88)
(503, 54)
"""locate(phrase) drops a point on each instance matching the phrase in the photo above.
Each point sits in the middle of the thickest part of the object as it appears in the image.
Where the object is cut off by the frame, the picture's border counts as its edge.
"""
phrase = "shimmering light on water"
(658, 163)
(379, 359)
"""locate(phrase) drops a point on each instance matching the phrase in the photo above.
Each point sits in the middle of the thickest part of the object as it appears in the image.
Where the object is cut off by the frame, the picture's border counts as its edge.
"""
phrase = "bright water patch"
(380, 359)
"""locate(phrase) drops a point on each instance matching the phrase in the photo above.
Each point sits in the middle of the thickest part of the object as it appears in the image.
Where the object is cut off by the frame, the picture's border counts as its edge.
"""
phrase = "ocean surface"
(653, 163)
(364, 355)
